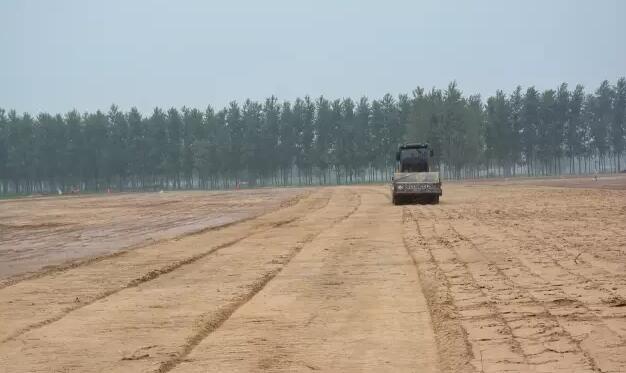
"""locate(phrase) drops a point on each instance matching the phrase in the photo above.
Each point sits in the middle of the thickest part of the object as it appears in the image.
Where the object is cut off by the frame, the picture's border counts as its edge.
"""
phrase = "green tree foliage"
(361, 139)
(173, 158)
(75, 148)
(303, 112)
(601, 111)
(557, 134)
(252, 139)
(530, 125)
(137, 144)
(4, 147)
(287, 143)
(236, 132)
(323, 136)
(498, 132)
(575, 129)
(194, 129)
(618, 124)
(545, 128)
(269, 139)
(202, 139)
(157, 146)
(516, 106)
(97, 152)
(314, 141)
(118, 145)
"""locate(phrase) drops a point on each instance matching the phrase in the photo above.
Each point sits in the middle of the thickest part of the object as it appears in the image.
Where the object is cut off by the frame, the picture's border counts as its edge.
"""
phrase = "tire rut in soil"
(227, 311)
(555, 306)
(506, 304)
(154, 274)
(46, 271)
(133, 283)
(543, 244)
(350, 301)
(454, 349)
(239, 289)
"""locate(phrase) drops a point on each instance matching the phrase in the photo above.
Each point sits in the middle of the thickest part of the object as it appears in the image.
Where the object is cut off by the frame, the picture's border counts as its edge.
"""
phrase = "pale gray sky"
(85, 54)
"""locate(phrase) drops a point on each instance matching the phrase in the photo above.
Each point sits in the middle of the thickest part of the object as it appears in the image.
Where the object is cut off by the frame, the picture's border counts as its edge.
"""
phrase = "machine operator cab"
(414, 158)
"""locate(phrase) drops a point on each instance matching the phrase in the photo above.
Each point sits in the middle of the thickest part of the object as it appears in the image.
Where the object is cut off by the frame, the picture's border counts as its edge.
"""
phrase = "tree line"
(314, 141)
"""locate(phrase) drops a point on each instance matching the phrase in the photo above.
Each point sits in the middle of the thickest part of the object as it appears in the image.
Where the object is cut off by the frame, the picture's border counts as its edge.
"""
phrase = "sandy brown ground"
(509, 277)
(49, 231)
(601, 181)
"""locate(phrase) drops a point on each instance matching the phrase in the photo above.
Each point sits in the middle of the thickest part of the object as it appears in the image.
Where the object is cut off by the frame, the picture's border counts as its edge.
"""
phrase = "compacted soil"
(45, 232)
(511, 276)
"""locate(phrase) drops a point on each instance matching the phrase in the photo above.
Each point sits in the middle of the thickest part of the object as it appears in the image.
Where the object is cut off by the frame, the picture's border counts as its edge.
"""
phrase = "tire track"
(133, 283)
(140, 328)
(555, 330)
(476, 316)
(350, 301)
(557, 262)
(505, 328)
(84, 262)
(156, 273)
(559, 307)
(545, 326)
(213, 323)
(455, 351)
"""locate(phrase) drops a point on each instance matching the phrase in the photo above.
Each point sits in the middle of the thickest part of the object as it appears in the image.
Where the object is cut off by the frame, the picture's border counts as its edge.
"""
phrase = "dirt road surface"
(514, 277)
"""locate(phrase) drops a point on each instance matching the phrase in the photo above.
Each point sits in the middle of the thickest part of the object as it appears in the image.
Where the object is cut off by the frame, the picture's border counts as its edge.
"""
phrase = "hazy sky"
(83, 54)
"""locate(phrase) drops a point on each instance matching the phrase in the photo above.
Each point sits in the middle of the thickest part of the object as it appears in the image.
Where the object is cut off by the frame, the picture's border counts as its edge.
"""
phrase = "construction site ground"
(504, 275)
